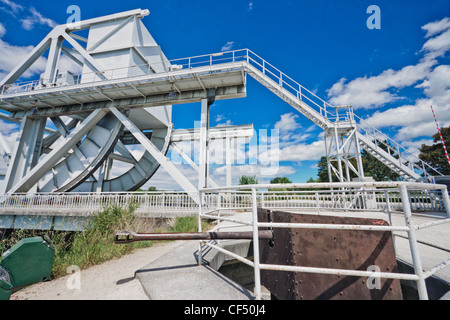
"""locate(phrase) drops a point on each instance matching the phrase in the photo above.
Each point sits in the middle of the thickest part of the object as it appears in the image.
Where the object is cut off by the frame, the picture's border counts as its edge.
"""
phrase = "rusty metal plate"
(337, 249)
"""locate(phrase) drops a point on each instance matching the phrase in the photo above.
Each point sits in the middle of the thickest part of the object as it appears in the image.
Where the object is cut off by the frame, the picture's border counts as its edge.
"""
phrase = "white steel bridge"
(124, 95)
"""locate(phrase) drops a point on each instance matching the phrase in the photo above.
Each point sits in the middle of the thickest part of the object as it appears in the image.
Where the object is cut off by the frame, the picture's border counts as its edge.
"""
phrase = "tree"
(246, 180)
(322, 171)
(279, 180)
(434, 155)
(375, 168)
(311, 180)
(371, 165)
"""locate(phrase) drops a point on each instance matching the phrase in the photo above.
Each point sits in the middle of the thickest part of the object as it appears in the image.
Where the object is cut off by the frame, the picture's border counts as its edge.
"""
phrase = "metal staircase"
(373, 141)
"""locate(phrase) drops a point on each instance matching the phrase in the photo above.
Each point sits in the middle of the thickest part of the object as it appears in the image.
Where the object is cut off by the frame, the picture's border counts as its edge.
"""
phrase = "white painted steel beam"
(232, 132)
(95, 66)
(192, 163)
(35, 54)
(53, 60)
(26, 151)
(203, 149)
(139, 13)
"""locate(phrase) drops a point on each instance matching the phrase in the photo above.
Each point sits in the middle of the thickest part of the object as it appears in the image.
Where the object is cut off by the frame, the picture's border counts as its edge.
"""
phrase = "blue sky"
(390, 75)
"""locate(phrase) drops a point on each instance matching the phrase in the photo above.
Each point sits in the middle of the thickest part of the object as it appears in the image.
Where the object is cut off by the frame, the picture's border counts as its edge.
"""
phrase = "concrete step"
(177, 276)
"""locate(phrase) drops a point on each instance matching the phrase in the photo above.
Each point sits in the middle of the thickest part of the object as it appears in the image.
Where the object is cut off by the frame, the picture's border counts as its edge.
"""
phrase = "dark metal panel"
(337, 249)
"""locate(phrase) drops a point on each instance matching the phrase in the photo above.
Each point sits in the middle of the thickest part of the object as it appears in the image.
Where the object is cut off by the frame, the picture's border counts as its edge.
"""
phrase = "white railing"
(406, 193)
(147, 203)
(129, 72)
(367, 199)
(394, 149)
(86, 204)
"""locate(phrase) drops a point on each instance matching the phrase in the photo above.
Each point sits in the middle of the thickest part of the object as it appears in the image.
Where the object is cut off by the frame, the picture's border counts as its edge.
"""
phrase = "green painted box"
(29, 261)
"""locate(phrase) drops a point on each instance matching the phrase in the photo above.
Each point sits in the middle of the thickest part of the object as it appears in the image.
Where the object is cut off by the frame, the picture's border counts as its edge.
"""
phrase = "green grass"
(95, 244)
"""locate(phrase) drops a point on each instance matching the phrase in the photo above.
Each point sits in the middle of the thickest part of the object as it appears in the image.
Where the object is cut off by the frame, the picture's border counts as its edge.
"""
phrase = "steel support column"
(203, 149)
(26, 153)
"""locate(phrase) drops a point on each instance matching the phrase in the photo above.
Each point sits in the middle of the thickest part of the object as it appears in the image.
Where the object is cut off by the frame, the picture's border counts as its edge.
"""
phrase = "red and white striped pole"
(440, 134)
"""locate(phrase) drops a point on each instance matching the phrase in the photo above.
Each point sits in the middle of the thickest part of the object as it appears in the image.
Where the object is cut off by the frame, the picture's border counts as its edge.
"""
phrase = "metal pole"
(388, 209)
(421, 286)
(446, 200)
(256, 245)
(200, 204)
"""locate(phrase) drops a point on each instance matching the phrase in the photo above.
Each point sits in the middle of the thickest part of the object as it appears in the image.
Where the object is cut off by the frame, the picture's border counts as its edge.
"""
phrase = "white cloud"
(227, 123)
(288, 122)
(416, 120)
(228, 46)
(32, 16)
(11, 56)
(2, 30)
(219, 118)
(413, 122)
(12, 5)
(371, 92)
(376, 91)
(36, 18)
(437, 46)
(290, 131)
(436, 27)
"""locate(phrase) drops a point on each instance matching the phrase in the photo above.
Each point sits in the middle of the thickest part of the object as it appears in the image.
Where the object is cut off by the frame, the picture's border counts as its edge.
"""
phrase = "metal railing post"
(219, 205)
(256, 245)
(446, 200)
(200, 205)
(421, 285)
(263, 203)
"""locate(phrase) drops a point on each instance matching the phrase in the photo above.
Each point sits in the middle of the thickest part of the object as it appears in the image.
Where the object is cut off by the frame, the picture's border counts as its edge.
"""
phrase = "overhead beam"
(234, 132)
(77, 37)
(155, 100)
(139, 13)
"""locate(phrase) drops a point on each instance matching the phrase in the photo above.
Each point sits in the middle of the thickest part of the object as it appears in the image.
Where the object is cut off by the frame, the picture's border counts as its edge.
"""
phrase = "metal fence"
(151, 203)
(146, 204)
(375, 197)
